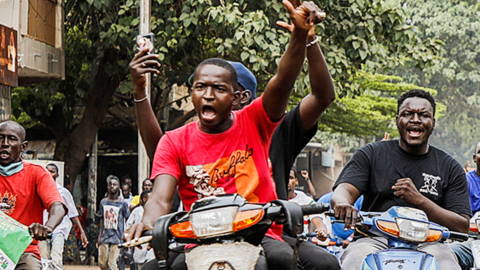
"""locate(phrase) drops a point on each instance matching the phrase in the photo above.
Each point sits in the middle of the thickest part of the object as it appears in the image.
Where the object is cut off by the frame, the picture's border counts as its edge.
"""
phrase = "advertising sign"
(8, 57)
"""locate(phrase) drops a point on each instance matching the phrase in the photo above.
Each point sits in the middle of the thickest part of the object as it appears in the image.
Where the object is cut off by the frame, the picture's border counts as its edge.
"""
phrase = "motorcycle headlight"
(213, 222)
(411, 230)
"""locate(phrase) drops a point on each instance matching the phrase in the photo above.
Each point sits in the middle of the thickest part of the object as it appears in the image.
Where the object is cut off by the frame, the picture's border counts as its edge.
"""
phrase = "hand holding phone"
(146, 41)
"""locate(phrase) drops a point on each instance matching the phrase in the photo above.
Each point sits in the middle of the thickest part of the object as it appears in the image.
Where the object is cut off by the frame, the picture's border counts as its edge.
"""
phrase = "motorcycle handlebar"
(315, 208)
(458, 236)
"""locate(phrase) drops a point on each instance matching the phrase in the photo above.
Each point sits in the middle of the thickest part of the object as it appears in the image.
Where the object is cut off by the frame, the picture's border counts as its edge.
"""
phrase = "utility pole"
(143, 160)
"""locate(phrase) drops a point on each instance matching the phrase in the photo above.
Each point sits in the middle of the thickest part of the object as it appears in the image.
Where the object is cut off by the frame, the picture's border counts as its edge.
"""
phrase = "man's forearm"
(148, 126)
(344, 194)
(55, 215)
(153, 210)
(444, 217)
(278, 88)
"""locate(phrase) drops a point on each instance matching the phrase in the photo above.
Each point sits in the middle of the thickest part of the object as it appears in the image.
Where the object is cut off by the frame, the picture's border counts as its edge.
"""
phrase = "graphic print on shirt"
(221, 176)
(7, 203)
(111, 216)
(200, 180)
(430, 184)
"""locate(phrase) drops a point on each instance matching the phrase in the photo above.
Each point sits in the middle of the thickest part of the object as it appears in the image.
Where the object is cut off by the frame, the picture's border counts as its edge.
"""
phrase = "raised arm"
(147, 123)
(323, 91)
(277, 91)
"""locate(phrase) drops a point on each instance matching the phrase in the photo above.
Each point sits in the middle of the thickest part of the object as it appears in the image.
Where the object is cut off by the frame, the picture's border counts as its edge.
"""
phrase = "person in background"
(114, 212)
(464, 250)
(306, 176)
(92, 231)
(27, 190)
(468, 167)
(143, 255)
(127, 192)
(337, 229)
(52, 249)
(146, 185)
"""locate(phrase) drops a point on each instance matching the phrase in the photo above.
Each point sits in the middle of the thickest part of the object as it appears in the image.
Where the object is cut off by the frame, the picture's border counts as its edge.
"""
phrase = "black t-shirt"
(288, 140)
(376, 167)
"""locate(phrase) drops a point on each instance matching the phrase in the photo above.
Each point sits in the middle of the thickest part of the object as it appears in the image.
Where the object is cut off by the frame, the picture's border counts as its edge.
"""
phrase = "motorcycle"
(227, 231)
(405, 228)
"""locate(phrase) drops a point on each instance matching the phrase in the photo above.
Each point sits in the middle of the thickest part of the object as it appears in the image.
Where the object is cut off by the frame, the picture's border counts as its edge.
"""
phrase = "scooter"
(405, 228)
(227, 231)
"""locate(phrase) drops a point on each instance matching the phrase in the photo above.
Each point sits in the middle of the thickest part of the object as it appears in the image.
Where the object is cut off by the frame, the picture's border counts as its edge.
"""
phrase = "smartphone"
(146, 41)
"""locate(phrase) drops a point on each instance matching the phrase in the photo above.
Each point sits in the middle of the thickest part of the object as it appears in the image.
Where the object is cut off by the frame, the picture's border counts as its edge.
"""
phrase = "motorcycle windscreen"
(235, 255)
(394, 259)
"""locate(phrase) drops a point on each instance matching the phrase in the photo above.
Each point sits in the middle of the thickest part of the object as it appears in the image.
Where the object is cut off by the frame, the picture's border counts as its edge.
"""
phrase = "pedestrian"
(140, 255)
(52, 249)
(147, 184)
(26, 190)
(114, 212)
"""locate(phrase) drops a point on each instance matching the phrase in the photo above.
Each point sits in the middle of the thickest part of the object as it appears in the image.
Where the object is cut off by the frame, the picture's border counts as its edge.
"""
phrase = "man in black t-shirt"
(405, 172)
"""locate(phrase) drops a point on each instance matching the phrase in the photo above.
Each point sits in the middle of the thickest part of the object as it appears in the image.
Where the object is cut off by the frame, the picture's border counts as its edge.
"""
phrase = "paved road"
(80, 267)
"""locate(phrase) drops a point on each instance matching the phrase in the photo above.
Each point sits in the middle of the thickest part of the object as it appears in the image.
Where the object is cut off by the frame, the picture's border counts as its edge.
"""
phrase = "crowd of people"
(247, 145)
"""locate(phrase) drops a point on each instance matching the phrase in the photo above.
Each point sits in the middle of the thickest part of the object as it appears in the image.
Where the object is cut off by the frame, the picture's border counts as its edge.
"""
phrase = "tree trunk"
(75, 146)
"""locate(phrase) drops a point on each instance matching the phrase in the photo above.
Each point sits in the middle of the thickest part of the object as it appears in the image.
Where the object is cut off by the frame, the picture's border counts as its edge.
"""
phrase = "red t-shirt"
(26, 194)
(234, 161)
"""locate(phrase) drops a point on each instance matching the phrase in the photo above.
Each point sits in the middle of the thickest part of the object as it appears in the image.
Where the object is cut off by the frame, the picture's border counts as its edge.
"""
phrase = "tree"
(100, 33)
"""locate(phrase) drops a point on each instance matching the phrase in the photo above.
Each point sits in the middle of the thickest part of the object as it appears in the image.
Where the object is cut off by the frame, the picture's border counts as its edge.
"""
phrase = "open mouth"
(415, 131)
(208, 112)
(4, 154)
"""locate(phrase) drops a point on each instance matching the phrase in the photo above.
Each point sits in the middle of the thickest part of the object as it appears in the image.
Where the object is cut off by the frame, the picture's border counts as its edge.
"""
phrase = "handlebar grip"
(316, 208)
(458, 236)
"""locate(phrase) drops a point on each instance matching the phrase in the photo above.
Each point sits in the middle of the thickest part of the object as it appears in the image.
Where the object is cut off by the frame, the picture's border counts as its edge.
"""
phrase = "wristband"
(140, 100)
(312, 42)
(350, 239)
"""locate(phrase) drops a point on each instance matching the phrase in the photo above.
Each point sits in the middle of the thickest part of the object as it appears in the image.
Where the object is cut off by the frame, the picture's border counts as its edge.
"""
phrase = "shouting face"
(213, 95)
(415, 123)
(12, 139)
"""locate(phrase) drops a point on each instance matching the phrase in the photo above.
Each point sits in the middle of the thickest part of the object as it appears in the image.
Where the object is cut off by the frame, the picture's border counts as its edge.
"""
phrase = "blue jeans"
(463, 250)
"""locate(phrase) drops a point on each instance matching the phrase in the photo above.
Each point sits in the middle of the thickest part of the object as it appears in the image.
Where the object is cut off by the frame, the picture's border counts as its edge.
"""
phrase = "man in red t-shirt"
(26, 190)
(225, 151)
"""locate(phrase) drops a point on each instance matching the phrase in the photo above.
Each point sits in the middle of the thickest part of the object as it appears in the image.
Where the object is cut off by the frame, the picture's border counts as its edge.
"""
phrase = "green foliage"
(356, 35)
(456, 74)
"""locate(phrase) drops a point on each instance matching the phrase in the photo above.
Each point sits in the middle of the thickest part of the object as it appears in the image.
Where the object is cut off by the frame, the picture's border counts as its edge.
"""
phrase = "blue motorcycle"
(405, 228)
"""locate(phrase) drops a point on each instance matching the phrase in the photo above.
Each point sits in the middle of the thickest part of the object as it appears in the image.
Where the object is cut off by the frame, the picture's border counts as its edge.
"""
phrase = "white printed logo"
(430, 184)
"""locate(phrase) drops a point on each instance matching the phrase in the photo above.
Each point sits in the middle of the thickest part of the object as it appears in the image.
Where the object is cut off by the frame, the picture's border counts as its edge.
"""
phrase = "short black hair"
(416, 93)
(22, 133)
(221, 63)
(53, 165)
(294, 172)
(144, 194)
(126, 177)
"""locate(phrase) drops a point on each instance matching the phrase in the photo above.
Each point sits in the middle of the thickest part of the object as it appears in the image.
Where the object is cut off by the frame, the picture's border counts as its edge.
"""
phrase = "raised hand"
(143, 63)
(302, 15)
